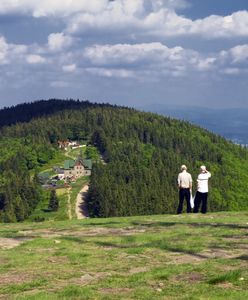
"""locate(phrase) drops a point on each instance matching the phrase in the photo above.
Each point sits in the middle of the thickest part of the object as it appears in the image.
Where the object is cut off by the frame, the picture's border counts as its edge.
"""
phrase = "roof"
(44, 175)
(69, 164)
(88, 163)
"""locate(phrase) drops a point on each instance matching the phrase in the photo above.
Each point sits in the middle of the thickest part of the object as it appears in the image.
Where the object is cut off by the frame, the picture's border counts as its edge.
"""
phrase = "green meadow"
(146, 257)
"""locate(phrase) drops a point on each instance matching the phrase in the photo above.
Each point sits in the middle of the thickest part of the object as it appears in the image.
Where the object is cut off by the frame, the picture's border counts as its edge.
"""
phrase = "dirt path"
(81, 209)
(69, 203)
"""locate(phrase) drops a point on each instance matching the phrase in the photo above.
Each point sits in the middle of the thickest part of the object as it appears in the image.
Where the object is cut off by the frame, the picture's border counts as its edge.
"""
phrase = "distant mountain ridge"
(25, 112)
(230, 123)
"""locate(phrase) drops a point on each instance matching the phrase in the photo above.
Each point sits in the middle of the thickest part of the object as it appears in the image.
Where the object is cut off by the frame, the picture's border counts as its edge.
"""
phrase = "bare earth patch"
(138, 270)
(179, 258)
(114, 290)
(81, 209)
(189, 277)
(58, 260)
(225, 285)
(99, 231)
(221, 253)
(15, 278)
(9, 243)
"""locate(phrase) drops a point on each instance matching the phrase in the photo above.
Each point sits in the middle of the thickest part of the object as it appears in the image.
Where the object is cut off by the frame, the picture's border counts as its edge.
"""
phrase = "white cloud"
(117, 73)
(11, 52)
(3, 50)
(59, 84)
(35, 59)
(239, 53)
(213, 26)
(59, 41)
(48, 8)
(69, 68)
(234, 61)
(206, 64)
(139, 17)
(156, 18)
(231, 71)
(142, 60)
(128, 54)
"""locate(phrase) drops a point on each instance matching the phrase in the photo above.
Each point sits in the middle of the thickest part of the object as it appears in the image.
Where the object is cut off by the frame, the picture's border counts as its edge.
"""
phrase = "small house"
(80, 167)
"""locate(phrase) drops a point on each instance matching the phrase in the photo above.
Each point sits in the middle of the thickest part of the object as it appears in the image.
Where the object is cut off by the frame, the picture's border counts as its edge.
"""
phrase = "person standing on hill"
(201, 196)
(184, 181)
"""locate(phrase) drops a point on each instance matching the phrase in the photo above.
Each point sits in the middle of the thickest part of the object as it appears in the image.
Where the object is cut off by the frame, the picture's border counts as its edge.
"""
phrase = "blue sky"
(128, 52)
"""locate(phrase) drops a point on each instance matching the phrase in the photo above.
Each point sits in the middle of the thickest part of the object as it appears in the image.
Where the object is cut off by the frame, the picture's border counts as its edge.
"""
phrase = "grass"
(74, 153)
(41, 213)
(66, 202)
(145, 257)
(232, 276)
(56, 161)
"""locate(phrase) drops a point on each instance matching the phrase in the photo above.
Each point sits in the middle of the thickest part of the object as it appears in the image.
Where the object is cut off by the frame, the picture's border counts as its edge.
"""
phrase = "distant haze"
(230, 123)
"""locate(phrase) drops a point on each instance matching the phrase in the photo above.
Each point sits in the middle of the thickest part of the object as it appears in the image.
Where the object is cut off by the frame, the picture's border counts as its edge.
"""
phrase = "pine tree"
(53, 202)
(19, 209)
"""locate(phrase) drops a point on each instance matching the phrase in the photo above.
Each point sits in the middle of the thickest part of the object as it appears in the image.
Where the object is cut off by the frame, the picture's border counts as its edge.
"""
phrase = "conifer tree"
(53, 202)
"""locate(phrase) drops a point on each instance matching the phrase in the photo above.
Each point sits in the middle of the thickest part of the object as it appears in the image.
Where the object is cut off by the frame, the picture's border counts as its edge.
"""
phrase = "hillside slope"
(156, 257)
(142, 151)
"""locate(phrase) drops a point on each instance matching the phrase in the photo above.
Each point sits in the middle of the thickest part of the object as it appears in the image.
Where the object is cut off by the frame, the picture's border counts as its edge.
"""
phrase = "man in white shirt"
(184, 181)
(202, 190)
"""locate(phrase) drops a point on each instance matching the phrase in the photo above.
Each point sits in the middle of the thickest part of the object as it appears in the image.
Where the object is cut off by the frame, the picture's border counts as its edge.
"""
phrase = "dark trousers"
(200, 200)
(184, 193)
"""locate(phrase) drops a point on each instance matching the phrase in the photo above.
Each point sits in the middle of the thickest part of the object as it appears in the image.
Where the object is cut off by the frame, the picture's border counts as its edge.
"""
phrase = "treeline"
(143, 152)
(27, 111)
(20, 190)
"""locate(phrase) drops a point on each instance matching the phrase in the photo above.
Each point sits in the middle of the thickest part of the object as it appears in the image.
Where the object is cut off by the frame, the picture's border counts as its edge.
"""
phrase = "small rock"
(161, 284)
(241, 278)
(159, 290)
(57, 242)
(87, 277)
(130, 228)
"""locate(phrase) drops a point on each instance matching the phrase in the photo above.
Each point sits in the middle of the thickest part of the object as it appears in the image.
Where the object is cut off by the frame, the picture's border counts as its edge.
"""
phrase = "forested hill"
(27, 111)
(143, 152)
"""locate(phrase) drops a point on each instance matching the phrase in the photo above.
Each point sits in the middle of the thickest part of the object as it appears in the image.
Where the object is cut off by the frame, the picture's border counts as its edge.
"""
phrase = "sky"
(127, 52)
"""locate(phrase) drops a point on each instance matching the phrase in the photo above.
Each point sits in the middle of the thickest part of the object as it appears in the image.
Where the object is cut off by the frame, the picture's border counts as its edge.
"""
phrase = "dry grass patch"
(16, 278)
(193, 277)
(9, 243)
(179, 258)
(216, 253)
(138, 270)
(114, 291)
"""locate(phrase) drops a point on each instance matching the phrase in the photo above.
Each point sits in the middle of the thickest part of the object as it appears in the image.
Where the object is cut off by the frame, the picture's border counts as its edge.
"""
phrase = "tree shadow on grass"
(101, 224)
(114, 245)
(46, 210)
(163, 245)
(242, 257)
(157, 244)
(72, 239)
(154, 224)
(168, 224)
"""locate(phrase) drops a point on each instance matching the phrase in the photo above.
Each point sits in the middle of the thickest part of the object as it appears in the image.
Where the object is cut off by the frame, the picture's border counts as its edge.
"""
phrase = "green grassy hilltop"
(145, 257)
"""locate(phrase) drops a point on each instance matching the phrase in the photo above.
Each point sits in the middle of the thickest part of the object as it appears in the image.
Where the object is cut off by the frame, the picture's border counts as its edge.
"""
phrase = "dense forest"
(143, 154)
